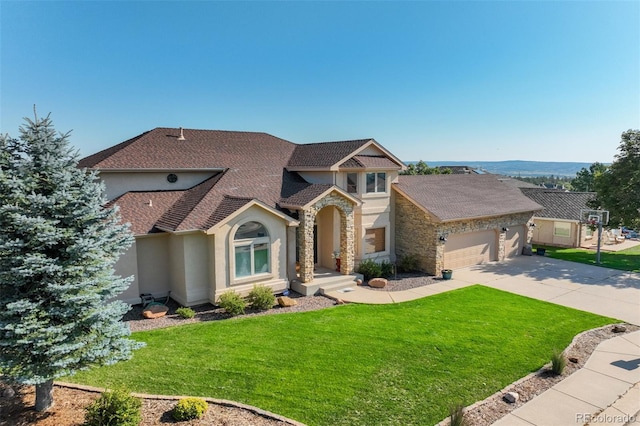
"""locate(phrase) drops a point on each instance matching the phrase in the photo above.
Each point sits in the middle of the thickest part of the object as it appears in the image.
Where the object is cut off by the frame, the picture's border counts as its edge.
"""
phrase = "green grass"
(625, 260)
(397, 364)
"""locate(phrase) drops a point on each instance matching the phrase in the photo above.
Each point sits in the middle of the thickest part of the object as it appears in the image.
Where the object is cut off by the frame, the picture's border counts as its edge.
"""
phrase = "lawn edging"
(224, 402)
(499, 394)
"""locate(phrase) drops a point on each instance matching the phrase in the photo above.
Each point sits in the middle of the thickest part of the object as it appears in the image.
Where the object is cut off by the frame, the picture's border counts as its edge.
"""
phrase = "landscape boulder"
(619, 328)
(286, 302)
(378, 282)
(155, 311)
(511, 397)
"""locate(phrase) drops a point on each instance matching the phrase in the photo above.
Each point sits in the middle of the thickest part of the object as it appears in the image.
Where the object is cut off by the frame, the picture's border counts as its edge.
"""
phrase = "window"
(561, 229)
(377, 182)
(374, 240)
(352, 183)
(251, 247)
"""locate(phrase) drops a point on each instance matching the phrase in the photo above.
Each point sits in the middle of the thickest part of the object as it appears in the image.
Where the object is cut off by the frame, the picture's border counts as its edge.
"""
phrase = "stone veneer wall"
(347, 235)
(417, 233)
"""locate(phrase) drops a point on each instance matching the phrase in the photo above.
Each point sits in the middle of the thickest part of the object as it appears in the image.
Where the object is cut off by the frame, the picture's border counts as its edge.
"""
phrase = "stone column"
(347, 241)
(305, 230)
(502, 237)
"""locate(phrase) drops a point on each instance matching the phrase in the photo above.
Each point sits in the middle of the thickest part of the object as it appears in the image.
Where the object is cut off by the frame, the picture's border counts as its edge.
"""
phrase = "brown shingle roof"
(143, 209)
(559, 204)
(201, 149)
(369, 162)
(456, 197)
(324, 154)
(306, 194)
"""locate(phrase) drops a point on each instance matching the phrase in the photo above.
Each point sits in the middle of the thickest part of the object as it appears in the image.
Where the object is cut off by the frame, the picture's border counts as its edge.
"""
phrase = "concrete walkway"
(612, 371)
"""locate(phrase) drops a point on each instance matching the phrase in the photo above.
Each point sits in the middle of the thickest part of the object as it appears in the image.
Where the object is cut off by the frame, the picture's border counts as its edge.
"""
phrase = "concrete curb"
(223, 402)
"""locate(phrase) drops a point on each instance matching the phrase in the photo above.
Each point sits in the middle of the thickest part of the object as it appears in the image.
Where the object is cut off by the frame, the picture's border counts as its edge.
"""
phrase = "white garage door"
(469, 249)
(514, 241)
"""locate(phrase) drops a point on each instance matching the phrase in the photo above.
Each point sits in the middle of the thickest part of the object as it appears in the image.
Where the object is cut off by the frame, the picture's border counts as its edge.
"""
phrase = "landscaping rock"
(511, 397)
(573, 359)
(359, 281)
(619, 328)
(378, 282)
(8, 392)
(339, 302)
(286, 302)
(155, 311)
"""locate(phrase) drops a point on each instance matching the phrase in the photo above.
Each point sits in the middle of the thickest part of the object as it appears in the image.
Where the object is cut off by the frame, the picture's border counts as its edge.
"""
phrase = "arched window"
(251, 247)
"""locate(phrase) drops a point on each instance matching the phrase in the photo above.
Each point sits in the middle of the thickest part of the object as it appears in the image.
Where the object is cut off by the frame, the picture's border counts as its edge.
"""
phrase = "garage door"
(514, 241)
(469, 249)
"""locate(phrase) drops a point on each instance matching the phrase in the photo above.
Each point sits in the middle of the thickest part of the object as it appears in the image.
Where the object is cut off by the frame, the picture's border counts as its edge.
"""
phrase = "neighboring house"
(214, 211)
(460, 170)
(559, 224)
(453, 221)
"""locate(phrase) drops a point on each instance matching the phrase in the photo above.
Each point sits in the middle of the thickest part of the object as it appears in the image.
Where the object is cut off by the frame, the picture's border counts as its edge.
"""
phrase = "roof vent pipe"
(181, 137)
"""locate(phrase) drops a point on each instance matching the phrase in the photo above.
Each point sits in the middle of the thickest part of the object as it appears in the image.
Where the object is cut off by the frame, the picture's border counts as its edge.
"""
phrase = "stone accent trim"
(307, 217)
(418, 233)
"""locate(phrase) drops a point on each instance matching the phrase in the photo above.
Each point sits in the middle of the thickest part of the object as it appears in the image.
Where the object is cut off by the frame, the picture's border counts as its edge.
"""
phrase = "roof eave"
(343, 193)
(288, 220)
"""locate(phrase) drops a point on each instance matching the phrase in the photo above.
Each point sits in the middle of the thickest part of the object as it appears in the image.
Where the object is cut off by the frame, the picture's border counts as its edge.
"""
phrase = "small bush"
(408, 263)
(386, 269)
(456, 415)
(189, 409)
(114, 408)
(185, 312)
(261, 298)
(232, 303)
(370, 269)
(558, 362)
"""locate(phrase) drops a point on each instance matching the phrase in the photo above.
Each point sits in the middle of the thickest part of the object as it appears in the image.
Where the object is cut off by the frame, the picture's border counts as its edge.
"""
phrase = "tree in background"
(421, 168)
(618, 188)
(58, 245)
(585, 178)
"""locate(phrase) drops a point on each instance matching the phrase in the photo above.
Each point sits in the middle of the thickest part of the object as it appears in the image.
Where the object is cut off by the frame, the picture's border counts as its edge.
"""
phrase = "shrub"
(185, 312)
(558, 362)
(189, 409)
(456, 415)
(370, 269)
(386, 269)
(232, 303)
(408, 263)
(114, 408)
(261, 298)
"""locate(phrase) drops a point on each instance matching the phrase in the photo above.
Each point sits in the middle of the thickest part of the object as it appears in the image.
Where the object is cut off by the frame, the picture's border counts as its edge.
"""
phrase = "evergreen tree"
(422, 168)
(618, 188)
(58, 245)
(585, 178)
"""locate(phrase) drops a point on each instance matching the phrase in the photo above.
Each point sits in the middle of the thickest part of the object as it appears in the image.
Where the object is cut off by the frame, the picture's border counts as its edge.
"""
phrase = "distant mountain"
(517, 167)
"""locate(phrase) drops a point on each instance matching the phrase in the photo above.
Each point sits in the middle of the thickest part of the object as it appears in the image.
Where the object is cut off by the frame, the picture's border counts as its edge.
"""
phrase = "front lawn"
(625, 260)
(395, 364)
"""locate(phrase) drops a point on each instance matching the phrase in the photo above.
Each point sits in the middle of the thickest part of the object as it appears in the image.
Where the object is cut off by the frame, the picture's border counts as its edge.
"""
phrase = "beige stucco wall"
(127, 266)
(543, 233)
(417, 233)
(117, 183)
(224, 256)
(153, 264)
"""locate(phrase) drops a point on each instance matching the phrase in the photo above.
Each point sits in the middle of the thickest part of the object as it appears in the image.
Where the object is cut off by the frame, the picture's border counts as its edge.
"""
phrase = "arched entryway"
(332, 218)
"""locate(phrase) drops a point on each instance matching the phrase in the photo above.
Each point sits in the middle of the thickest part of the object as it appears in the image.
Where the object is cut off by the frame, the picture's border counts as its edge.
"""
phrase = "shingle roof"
(306, 194)
(516, 183)
(324, 154)
(369, 162)
(253, 167)
(143, 209)
(201, 149)
(456, 197)
(559, 204)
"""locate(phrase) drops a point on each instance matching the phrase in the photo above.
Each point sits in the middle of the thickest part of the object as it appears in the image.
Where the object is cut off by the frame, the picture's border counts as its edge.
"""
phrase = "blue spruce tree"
(58, 245)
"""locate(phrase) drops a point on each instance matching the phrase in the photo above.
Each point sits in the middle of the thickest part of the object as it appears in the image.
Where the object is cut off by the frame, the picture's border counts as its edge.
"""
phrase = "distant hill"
(517, 167)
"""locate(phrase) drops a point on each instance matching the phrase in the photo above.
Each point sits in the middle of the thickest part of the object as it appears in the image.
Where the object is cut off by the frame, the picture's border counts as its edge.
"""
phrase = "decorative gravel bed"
(406, 281)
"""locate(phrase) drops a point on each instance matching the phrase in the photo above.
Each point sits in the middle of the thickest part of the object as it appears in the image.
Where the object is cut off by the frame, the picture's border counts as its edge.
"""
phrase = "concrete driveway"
(603, 291)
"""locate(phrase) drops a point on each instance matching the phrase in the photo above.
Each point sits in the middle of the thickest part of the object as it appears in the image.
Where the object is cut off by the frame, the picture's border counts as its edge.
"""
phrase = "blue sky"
(479, 80)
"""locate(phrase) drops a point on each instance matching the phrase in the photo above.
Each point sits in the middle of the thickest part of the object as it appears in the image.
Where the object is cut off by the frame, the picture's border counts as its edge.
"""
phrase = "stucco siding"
(543, 233)
(127, 266)
(153, 264)
(117, 183)
(196, 255)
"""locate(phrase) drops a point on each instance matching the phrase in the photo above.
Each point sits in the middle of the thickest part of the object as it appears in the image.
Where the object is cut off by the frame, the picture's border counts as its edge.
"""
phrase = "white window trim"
(233, 243)
(376, 192)
(386, 243)
(555, 226)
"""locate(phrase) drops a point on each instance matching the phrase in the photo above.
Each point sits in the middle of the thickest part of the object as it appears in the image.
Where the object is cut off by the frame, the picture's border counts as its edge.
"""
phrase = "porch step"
(325, 284)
